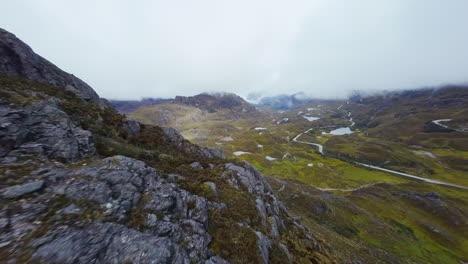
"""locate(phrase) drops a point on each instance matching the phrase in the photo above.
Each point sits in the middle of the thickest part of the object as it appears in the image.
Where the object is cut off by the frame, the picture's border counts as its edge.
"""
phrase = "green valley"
(357, 209)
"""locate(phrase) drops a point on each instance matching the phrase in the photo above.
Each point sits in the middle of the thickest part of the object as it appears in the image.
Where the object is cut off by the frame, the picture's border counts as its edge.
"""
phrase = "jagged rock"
(42, 128)
(3, 220)
(71, 209)
(216, 260)
(215, 102)
(106, 243)
(180, 143)
(261, 209)
(175, 221)
(217, 153)
(285, 251)
(433, 195)
(196, 165)
(435, 205)
(264, 245)
(132, 127)
(251, 178)
(19, 190)
(321, 207)
(268, 207)
(17, 58)
(212, 187)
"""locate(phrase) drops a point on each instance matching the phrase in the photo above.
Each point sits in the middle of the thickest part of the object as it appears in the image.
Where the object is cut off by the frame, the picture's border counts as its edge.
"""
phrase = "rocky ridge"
(17, 58)
(215, 102)
(82, 184)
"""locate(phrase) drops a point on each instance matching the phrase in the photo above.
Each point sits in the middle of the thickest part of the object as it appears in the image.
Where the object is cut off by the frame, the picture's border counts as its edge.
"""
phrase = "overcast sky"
(326, 48)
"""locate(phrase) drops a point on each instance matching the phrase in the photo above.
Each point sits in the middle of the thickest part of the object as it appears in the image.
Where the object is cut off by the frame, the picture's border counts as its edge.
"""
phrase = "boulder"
(42, 128)
(20, 190)
(132, 127)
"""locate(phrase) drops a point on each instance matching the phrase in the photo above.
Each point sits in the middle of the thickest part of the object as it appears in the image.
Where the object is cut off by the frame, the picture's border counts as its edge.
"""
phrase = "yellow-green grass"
(378, 217)
(403, 158)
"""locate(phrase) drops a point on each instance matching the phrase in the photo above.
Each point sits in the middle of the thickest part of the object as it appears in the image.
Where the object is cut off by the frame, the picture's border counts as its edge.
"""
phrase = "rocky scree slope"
(80, 183)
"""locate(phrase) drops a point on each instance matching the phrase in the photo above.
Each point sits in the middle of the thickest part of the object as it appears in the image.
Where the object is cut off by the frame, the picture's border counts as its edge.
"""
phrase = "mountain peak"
(216, 101)
(18, 59)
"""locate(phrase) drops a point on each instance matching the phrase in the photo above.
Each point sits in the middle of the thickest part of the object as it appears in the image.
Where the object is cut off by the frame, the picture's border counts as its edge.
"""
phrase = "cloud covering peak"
(325, 48)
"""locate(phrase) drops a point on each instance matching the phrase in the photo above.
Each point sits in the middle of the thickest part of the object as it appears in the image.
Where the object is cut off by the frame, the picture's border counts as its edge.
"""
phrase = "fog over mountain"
(325, 48)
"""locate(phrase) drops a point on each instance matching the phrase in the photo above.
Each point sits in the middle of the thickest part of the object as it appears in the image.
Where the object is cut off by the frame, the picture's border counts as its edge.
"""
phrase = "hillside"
(80, 183)
(200, 117)
(216, 102)
(128, 106)
(403, 122)
(370, 216)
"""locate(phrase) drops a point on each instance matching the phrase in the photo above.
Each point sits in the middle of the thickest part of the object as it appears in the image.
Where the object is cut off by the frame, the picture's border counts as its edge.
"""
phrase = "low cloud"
(325, 48)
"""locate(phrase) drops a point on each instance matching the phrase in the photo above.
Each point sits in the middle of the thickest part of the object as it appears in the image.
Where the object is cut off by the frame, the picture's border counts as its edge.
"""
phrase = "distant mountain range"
(128, 106)
(212, 102)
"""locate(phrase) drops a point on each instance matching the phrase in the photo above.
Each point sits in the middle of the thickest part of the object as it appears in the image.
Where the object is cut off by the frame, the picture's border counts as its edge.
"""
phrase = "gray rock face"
(217, 153)
(19, 190)
(71, 209)
(196, 165)
(216, 260)
(212, 187)
(178, 141)
(263, 246)
(107, 243)
(272, 212)
(268, 207)
(437, 206)
(172, 223)
(42, 128)
(132, 127)
(17, 58)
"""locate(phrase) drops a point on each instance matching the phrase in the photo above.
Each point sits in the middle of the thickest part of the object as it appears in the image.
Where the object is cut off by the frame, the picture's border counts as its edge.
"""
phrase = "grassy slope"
(360, 223)
(153, 147)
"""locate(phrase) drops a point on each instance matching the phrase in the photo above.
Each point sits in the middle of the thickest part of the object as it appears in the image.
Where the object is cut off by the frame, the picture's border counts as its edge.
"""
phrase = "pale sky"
(325, 48)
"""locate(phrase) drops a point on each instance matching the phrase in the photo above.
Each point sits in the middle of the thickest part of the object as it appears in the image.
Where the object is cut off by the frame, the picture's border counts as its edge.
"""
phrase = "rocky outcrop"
(17, 58)
(132, 127)
(176, 139)
(269, 208)
(128, 106)
(19, 190)
(437, 206)
(215, 102)
(273, 213)
(42, 128)
(130, 213)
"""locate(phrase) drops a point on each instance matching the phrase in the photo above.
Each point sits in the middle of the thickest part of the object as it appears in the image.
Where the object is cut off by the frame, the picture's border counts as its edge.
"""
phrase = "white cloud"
(128, 49)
